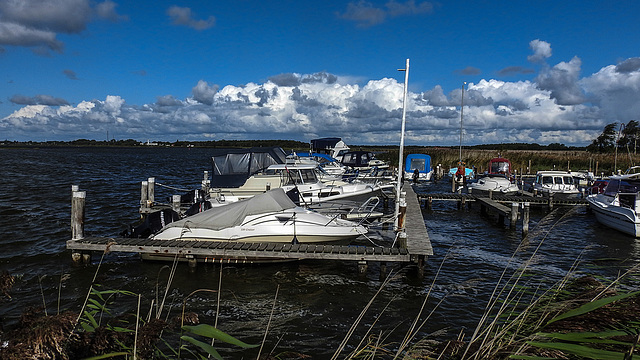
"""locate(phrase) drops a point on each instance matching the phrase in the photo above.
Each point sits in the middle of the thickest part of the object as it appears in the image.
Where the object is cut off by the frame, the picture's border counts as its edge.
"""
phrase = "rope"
(172, 187)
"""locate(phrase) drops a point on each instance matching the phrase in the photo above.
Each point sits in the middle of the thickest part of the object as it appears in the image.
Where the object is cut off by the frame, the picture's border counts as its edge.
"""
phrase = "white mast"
(400, 156)
(461, 110)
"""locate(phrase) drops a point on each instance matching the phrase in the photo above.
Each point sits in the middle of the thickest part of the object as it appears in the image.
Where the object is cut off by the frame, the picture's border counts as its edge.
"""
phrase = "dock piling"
(525, 220)
(514, 215)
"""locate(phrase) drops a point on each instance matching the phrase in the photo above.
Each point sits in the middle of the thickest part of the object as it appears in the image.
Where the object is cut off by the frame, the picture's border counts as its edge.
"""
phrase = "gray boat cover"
(233, 214)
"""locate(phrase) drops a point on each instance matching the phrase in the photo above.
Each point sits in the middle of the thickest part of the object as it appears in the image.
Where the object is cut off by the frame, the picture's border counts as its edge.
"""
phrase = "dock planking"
(418, 245)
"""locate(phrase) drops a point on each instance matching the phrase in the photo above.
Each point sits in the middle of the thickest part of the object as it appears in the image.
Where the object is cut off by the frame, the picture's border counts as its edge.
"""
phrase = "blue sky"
(544, 72)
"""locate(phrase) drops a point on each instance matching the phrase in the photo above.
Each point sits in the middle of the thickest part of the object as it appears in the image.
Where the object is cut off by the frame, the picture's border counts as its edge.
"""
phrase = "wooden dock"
(415, 249)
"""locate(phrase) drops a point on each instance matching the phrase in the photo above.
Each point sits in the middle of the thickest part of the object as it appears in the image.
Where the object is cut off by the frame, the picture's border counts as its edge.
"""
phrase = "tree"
(629, 137)
(606, 141)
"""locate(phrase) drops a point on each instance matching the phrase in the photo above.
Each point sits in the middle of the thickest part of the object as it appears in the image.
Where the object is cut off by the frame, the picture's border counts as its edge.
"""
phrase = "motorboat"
(618, 206)
(553, 182)
(326, 164)
(496, 179)
(418, 165)
(461, 173)
(304, 180)
(270, 217)
(332, 146)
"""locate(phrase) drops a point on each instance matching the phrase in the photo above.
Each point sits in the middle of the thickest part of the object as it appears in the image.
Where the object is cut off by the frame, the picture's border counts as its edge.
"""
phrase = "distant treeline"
(285, 144)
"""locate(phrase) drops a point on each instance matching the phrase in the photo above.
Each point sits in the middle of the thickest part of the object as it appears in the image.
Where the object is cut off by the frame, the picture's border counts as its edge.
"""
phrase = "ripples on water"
(317, 301)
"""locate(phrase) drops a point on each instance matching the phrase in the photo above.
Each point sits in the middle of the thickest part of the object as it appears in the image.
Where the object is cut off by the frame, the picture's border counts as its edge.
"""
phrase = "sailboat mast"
(400, 156)
(461, 112)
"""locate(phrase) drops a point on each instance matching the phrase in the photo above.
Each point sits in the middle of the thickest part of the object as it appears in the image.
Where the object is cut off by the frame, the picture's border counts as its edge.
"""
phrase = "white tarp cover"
(233, 214)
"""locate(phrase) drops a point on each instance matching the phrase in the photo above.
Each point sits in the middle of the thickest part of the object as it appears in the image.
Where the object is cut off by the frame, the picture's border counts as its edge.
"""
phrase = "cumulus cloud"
(557, 106)
(183, 16)
(203, 92)
(562, 81)
(36, 23)
(365, 14)
(541, 51)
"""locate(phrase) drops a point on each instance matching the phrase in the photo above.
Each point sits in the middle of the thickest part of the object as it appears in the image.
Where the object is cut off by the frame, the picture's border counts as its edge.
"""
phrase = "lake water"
(317, 301)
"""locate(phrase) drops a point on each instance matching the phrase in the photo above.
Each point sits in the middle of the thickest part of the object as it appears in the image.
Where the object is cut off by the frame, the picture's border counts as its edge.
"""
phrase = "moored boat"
(268, 217)
(497, 179)
(418, 165)
(553, 182)
(618, 205)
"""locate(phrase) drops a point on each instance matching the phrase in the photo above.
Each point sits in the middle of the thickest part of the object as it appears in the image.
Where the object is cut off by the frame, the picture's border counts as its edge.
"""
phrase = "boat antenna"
(400, 156)
(461, 112)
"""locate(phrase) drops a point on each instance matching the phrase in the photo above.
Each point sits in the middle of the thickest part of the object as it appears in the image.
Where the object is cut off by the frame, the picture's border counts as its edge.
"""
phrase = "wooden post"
(429, 202)
(402, 240)
(144, 186)
(453, 183)
(77, 214)
(525, 220)
(402, 210)
(362, 267)
(151, 197)
(175, 203)
(490, 194)
(550, 201)
(514, 215)
(463, 202)
(205, 182)
(77, 220)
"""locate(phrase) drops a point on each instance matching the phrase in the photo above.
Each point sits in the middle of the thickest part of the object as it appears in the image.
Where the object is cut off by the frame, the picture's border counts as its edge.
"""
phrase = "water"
(317, 302)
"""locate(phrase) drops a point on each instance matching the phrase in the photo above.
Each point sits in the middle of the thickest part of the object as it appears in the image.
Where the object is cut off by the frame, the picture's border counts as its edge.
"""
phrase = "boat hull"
(616, 217)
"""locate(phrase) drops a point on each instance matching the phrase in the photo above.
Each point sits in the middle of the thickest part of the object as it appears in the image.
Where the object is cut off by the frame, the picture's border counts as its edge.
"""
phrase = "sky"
(524, 71)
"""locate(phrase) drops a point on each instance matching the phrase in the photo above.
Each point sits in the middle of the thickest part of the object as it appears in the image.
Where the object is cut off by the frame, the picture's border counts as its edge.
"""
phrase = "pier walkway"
(415, 250)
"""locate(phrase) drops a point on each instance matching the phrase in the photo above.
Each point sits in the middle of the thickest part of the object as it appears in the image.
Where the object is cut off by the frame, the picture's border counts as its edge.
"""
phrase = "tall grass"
(525, 161)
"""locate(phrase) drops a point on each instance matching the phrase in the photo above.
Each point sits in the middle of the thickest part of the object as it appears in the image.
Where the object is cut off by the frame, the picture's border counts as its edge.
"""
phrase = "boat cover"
(422, 162)
(233, 166)
(233, 214)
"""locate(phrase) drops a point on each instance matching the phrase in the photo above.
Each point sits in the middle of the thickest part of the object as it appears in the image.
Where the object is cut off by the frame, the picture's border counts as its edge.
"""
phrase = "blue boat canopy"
(422, 162)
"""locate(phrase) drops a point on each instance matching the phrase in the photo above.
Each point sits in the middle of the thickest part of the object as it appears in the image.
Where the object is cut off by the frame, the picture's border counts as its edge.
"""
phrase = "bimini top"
(234, 214)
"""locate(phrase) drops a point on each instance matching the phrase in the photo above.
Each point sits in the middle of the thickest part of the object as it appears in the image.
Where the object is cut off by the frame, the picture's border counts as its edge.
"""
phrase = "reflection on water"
(317, 301)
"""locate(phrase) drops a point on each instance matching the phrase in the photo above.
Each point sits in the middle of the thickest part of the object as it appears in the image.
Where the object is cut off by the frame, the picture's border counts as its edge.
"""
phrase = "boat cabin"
(359, 159)
(626, 190)
(331, 146)
(555, 182)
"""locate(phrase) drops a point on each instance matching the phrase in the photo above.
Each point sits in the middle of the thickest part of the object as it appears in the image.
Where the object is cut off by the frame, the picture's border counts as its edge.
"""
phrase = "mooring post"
(514, 215)
(151, 197)
(525, 220)
(362, 266)
(429, 202)
(77, 219)
(175, 203)
(144, 186)
(490, 194)
(463, 202)
(550, 201)
(402, 240)
(453, 183)
(206, 183)
(77, 214)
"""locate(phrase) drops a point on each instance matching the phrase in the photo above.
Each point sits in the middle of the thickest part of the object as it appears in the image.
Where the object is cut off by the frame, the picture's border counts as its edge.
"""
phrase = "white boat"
(618, 206)
(497, 179)
(333, 147)
(270, 217)
(555, 182)
(304, 180)
(418, 165)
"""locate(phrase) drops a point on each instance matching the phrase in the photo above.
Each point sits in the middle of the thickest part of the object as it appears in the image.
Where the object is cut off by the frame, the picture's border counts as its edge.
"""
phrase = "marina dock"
(414, 245)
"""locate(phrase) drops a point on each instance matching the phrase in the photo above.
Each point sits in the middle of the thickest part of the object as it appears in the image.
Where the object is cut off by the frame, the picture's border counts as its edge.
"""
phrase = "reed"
(524, 161)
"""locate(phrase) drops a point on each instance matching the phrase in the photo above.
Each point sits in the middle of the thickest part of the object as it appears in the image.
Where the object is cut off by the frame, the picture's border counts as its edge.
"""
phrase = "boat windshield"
(621, 186)
(568, 180)
(418, 164)
(499, 167)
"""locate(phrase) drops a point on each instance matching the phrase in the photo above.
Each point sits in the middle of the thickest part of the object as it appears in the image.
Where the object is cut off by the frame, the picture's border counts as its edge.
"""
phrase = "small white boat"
(555, 182)
(497, 179)
(618, 206)
(270, 217)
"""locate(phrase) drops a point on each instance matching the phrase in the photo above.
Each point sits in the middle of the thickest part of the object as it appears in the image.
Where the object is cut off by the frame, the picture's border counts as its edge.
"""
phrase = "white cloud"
(541, 51)
(557, 107)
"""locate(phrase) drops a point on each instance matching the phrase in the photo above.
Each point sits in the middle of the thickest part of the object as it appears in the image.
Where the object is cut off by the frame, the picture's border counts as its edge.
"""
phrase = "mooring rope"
(172, 187)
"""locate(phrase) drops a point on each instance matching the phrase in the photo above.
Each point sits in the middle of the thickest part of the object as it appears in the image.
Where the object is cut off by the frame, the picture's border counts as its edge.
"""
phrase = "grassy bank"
(528, 161)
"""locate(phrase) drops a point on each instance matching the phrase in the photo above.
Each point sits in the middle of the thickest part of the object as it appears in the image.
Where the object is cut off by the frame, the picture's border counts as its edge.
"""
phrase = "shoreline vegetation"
(525, 158)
